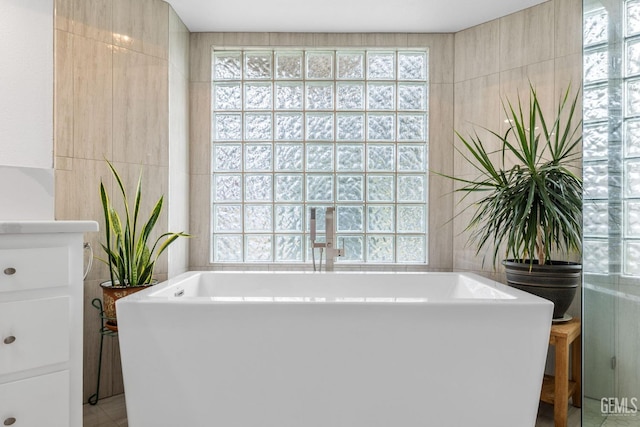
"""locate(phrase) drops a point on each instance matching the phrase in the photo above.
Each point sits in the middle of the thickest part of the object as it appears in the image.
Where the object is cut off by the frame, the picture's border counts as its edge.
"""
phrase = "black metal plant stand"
(104, 332)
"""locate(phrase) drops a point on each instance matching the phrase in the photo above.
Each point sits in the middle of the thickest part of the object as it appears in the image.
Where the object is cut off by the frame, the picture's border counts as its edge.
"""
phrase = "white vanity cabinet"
(41, 305)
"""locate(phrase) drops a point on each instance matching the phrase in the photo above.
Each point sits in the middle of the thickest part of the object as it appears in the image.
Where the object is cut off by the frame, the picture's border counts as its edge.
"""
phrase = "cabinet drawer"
(33, 333)
(33, 268)
(36, 402)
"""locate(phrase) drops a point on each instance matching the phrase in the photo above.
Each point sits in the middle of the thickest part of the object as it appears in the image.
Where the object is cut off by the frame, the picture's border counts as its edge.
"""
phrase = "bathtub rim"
(146, 296)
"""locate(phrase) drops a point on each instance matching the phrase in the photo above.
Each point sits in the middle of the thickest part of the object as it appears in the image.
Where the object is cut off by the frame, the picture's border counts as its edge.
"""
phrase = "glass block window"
(596, 246)
(297, 129)
(611, 139)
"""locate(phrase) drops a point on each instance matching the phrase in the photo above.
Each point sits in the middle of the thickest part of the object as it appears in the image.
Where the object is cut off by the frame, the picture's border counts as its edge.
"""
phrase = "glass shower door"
(611, 211)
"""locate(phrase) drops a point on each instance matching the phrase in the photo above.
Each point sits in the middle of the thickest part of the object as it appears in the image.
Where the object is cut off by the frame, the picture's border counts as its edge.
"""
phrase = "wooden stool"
(557, 389)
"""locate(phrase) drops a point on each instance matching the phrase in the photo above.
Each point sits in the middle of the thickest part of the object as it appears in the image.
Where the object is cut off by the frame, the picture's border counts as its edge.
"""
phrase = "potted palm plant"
(127, 244)
(529, 199)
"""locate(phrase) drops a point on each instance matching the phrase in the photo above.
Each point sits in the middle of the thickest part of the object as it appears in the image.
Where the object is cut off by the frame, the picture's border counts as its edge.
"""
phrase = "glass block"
(288, 65)
(227, 66)
(227, 96)
(257, 126)
(350, 219)
(381, 65)
(350, 188)
(412, 188)
(257, 65)
(380, 188)
(595, 27)
(258, 188)
(320, 217)
(350, 65)
(412, 96)
(596, 66)
(319, 157)
(289, 248)
(320, 188)
(595, 256)
(595, 180)
(381, 96)
(257, 157)
(227, 157)
(633, 97)
(319, 65)
(381, 127)
(632, 258)
(595, 217)
(595, 103)
(411, 249)
(632, 178)
(227, 188)
(319, 96)
(258, 218)
(353, 248)
(319, 126)
(380, 249)
(227, 248)
(350, 96)
(350, 157)
(258, 96)
(258, 248)
(288, 218)
(412, 127)
(632, 59)
(411, 219)
(632, 138)
(412, 66)
(632, 218)
(227, 218)
(350, 126)
(633, 18)
(380, 218)
(380, 157)
(227, 127)
(289, 188)
(595, 140)
(289, 126)
(288, 157)
(412, 158)
(288, 96)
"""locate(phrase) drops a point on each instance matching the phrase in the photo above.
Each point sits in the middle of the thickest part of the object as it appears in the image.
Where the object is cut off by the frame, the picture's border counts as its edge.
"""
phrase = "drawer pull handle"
(9, 421)
(9, 340)
(10, 271)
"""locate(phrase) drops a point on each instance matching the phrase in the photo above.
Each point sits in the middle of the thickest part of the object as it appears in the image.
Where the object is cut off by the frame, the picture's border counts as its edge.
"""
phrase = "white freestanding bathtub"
(247, 349)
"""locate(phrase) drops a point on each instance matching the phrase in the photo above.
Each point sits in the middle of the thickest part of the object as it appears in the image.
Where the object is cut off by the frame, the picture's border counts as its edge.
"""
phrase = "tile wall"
(541, 44)
(119, 73)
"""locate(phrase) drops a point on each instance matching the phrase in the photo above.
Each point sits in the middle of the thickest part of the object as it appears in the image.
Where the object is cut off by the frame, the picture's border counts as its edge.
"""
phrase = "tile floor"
(111, 412)
(593, 417)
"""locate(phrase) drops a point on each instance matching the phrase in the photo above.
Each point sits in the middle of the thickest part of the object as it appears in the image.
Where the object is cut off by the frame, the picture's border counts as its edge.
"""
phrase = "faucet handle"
(340, 249)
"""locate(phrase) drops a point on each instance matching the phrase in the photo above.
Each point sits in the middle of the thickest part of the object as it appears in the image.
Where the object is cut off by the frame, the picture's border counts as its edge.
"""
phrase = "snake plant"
(130, 256)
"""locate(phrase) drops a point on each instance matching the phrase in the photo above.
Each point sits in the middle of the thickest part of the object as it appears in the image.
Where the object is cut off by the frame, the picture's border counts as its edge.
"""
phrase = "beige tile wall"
(541, 44)
(441, 57)
(112, 101)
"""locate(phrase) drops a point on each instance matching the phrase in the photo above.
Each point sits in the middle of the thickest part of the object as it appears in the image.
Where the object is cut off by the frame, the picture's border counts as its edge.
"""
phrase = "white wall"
(26, 109)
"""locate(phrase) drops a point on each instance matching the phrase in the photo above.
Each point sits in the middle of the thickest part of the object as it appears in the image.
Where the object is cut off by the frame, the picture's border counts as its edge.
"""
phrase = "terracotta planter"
(111, 294)
(556, 281)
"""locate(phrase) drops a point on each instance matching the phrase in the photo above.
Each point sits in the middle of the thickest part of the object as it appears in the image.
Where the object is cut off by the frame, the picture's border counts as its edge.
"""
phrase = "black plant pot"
(556, 281)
